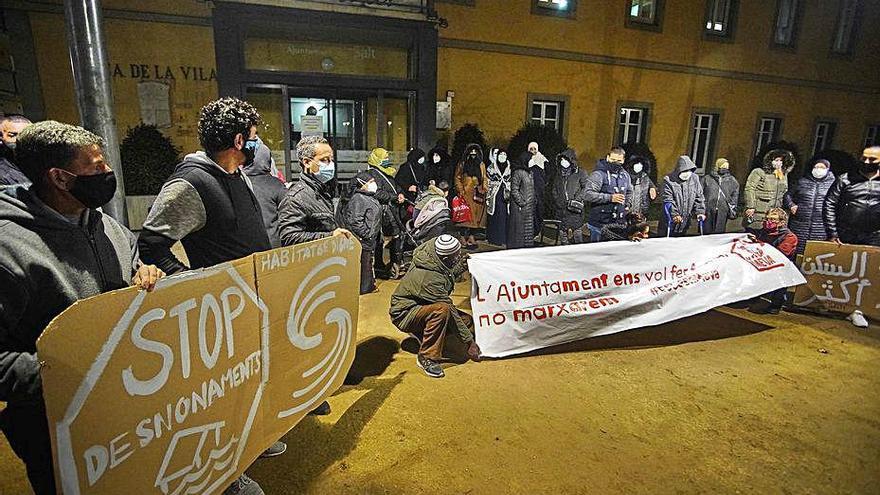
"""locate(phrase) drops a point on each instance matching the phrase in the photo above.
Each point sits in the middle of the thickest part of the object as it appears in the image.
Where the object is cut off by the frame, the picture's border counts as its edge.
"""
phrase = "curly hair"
(782, 214)
(307, 147)
(221, 120)
(50, 144)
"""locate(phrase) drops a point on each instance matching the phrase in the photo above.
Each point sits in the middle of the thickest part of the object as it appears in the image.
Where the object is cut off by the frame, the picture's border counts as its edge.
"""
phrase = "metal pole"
(91, 78)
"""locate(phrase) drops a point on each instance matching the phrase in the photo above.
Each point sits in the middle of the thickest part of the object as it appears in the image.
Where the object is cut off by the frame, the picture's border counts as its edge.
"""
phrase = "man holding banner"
(56, 247)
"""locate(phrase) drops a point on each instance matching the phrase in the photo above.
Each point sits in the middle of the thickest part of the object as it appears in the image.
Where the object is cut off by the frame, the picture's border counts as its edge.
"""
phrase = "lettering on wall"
(164, 72)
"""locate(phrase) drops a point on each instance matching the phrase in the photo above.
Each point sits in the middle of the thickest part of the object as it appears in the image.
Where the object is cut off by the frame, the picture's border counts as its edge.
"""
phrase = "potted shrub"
(148, 158)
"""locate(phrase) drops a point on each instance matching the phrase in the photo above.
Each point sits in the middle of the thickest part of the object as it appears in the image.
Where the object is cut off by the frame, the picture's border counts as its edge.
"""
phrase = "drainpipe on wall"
(91, 77)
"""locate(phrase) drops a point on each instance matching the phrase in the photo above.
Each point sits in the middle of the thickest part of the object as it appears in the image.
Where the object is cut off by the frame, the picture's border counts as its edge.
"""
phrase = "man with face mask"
(852, 206)
(421, 305)
(11, 126)
(56, 247)
(682, 199)
(568, 193)
(609, 192)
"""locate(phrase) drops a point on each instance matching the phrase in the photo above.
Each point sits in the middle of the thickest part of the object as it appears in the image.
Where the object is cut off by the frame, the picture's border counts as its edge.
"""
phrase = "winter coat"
(412, 173)
(443, 171)
(782, 239)
(363, 217)
(539, 184)
(520, 223)
(46, 264)
(497, 199)
(268, 190)
(428, 281)
(388, 189)
(763, 189)
(641, 184)
(686, 197)
(852, 209)
(569, 186)
(721, 192)
(467, 185)
(809, 196)
(10, 174)
(603, 182)
(306, 212)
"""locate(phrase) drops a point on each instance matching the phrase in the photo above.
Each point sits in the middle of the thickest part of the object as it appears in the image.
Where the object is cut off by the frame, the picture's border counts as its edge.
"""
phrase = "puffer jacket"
(306, 212)
(809, 196)
(605, 181)
(852, 209)
(363, 217)
(428, 281)
(569, 185)
(763, 189)
(686, 197)
(520, 223)
(641, 184)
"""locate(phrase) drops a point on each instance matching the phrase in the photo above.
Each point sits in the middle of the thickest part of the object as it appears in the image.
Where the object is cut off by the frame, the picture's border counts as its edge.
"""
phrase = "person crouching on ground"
(363, 217)
(634, 228)
(421, 305)
(774, 231)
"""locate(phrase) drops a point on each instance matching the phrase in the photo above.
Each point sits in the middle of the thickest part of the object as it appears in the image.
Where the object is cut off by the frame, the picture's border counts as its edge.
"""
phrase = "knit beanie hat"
(446, 245)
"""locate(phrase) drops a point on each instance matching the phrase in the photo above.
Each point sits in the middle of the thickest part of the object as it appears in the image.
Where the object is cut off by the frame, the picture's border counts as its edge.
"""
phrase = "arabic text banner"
(177, 391)
(529, 299)
(840, 278)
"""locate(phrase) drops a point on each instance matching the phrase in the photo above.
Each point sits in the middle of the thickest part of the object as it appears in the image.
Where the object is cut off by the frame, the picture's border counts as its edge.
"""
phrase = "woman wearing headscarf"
(412, 176)
(520, 224)
(807, 203)
(644, 191)
(568, 194)
(497, 199)
(535, 162)
(471, 185)
(391, 198)
(766, 186)
(441, 168)
(721, 190)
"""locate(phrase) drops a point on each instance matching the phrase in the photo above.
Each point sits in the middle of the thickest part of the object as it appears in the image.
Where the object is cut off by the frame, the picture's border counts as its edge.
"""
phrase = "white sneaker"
(858, 319)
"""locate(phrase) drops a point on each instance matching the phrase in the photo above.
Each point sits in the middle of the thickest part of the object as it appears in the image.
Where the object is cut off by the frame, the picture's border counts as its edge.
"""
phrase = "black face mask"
(249, 150)
(723, 171)
(868, 168)
(94, 191)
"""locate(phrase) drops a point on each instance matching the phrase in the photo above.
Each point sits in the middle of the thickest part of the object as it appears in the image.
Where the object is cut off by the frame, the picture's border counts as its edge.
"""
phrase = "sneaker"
(430, 368)
(244, 486)
(322, 410)
(277, 448)
(858, 319)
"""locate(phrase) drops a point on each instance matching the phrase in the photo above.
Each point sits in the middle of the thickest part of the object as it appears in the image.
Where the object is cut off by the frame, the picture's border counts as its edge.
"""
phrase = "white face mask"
(685, 175)
(436, 158)
(637, 167)
(421, 160)
(502, 157)
(564, 163)
(372, 187)
(820, 172)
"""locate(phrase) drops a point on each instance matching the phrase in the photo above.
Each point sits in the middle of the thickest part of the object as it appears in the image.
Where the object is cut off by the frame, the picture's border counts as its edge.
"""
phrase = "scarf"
(497, 179)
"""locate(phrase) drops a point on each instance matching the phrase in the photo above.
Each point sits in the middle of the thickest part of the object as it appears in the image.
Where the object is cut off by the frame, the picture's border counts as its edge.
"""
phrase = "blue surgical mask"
(326, 172)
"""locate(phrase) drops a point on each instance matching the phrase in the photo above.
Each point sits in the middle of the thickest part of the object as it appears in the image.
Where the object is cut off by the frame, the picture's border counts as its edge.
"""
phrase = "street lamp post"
(94, 96)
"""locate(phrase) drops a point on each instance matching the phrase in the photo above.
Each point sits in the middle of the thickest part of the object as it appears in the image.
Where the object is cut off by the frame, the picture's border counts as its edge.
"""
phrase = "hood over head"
(629, 163)
(788, 160)
(440, 150)
(683, 164)
(473, 146)
(414, 155)
(380, 159)
(262, 164)
(570, 155)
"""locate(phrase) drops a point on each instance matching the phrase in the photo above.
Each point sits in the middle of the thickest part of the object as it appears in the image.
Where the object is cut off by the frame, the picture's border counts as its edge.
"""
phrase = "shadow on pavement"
(711, 325)
(372, 358)
(314, 445)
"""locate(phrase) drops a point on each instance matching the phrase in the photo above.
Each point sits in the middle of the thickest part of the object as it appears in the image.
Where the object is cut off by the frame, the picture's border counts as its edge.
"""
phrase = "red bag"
(461, 211)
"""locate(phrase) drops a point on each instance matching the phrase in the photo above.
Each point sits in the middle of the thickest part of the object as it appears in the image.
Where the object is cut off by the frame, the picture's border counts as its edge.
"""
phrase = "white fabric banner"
(528, 299)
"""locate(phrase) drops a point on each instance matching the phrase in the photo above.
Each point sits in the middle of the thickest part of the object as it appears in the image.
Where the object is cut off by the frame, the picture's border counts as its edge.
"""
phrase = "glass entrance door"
(354, 121)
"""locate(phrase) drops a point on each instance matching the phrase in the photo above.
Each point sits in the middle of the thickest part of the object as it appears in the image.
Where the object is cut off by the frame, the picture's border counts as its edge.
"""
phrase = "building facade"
(708, 78)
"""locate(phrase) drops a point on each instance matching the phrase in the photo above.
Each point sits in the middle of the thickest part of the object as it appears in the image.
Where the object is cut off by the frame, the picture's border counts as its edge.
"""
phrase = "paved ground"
(725, 402)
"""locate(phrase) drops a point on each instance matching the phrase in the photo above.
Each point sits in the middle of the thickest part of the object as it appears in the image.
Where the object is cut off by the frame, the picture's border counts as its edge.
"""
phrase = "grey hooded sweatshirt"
(268, 190)
(686, 197)
(48, 262)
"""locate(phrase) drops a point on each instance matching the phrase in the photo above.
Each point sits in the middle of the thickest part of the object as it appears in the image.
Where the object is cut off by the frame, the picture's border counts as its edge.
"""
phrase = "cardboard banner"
(839, 278)
(177, 391)
(529, 299)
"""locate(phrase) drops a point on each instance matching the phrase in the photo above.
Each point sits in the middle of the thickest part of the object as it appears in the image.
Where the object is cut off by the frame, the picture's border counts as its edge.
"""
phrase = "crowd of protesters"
(226, 202)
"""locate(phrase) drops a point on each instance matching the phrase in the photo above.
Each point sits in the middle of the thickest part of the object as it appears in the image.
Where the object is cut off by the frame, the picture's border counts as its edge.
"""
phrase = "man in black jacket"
(268, 189)
(55, 248)
(209, 205)
(11, 126)
(852, 206)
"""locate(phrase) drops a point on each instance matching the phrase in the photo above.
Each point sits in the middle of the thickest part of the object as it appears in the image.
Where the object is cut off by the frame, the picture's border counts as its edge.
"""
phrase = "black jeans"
(27, 430)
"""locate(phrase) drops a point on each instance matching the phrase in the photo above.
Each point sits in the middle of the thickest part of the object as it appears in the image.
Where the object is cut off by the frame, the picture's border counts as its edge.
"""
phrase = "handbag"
(461, 211)
(575, 206)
